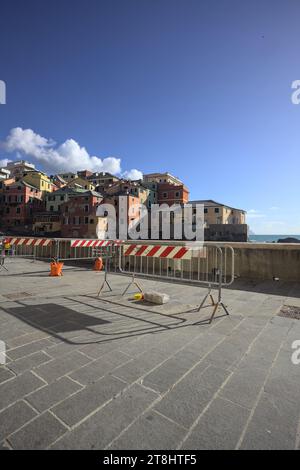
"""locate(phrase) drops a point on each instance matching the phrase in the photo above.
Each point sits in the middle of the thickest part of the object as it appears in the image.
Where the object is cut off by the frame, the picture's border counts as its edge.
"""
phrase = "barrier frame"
(219, 282)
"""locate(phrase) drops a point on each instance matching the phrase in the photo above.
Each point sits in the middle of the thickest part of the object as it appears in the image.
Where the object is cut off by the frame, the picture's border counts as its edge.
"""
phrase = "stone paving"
(84, 372)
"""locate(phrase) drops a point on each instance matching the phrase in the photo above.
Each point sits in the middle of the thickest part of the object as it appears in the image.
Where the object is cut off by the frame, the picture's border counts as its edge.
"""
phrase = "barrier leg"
(2, 267)
(133, 282)
(214, 311)
(216, 305)
(224, 307)
(209, 294)
(105, 282)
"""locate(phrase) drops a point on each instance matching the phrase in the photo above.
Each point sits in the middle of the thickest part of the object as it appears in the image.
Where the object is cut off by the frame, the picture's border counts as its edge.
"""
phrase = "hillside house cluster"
(65, 205)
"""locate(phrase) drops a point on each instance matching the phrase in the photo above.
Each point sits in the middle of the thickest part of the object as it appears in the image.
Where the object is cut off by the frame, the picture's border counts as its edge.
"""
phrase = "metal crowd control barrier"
(206, 265)
(23, 247)
(83, 249)
(58, 249)
(2, 254)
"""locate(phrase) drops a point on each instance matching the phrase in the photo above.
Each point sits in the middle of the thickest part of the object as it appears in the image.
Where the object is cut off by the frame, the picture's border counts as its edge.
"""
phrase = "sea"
(269, 238)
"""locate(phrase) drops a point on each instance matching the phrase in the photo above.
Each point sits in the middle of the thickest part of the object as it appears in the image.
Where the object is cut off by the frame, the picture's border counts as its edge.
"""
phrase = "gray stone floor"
(90, 373)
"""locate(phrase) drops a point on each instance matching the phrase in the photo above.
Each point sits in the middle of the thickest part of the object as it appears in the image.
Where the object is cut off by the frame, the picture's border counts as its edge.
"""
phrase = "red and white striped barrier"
(29, 241)
(93, 243)
(159, 251)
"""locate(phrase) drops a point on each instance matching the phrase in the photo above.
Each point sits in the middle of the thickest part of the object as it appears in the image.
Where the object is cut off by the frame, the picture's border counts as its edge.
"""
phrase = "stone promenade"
(84, 372)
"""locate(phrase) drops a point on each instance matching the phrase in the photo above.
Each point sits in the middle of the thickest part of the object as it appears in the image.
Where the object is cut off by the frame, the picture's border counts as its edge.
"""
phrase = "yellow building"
(83, 183)
(161, 178)
(39, 180)
(216, 213)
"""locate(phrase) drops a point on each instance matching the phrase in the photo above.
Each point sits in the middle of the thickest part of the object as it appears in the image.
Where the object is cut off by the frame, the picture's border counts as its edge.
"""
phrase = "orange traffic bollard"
(98, 264)
(56, 269)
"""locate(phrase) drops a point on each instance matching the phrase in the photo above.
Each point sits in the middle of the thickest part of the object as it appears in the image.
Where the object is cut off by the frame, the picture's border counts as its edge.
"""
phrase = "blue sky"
(201, 89)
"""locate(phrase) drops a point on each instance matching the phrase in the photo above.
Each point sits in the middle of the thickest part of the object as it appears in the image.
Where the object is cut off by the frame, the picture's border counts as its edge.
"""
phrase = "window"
(61, 198)
(177, 194)
(91, 221)
(165, 195)
(51, 208)
(86, 208)
(86, 220)
(205, 210)
(18, 210)
(217, 210)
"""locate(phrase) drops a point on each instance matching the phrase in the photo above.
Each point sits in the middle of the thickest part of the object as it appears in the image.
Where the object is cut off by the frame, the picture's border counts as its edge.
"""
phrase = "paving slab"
(273, 426)
(18, 387)
(79, 406)
(220, 427)
(14, 417)
(198, 388)
(105, 425)
(150, 431)
(39, 434)
(49, 395)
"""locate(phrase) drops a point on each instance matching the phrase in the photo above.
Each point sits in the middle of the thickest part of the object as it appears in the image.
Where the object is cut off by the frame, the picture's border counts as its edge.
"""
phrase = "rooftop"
(211, 203)
(94, 373)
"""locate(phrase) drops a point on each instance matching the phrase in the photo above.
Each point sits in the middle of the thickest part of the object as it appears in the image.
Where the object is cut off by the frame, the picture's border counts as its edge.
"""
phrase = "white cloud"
(133, 174)
(4, 162)
(254, 214)
(68, 156)
(274, 208)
